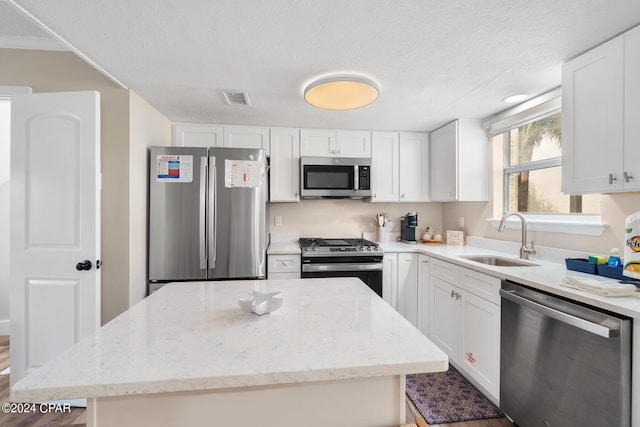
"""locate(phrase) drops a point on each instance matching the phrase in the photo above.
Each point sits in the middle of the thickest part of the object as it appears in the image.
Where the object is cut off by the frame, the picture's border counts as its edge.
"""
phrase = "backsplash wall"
(347, 218)
(614, 210)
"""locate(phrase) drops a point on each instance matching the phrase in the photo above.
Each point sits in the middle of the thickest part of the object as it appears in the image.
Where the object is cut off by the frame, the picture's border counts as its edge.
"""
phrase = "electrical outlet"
(461, 221)
(277, 221)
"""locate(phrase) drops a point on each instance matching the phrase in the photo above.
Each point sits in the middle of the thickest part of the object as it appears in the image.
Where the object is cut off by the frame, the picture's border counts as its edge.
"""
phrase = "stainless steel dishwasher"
(561, 363)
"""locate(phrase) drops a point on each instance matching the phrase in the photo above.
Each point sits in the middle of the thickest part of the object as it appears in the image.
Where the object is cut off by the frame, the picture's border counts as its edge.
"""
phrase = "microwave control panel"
(364, 174)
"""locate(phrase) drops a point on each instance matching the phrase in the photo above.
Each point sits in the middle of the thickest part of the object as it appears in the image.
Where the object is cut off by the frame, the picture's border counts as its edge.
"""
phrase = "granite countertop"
(194, 336)
(546, 276)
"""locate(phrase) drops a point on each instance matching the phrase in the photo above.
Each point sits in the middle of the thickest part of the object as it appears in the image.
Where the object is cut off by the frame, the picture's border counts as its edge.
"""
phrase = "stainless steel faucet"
(524, 250)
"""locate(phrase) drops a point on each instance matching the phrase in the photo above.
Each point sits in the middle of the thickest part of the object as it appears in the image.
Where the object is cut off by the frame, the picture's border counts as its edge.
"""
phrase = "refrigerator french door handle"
(213, 212)
(202, 220)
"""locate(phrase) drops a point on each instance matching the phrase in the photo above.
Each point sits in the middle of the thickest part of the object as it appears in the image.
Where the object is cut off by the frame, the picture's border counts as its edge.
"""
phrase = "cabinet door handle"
(627, 176)
(612, 178)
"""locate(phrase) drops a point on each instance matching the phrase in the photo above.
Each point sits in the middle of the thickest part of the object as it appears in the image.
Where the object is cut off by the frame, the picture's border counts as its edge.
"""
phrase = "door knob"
(84, 265)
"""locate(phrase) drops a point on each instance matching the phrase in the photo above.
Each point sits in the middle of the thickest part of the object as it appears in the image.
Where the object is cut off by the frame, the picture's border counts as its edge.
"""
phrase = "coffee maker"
(408, 225)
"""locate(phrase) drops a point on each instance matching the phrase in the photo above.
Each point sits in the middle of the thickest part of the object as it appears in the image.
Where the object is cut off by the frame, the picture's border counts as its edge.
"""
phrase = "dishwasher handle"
(569, 319)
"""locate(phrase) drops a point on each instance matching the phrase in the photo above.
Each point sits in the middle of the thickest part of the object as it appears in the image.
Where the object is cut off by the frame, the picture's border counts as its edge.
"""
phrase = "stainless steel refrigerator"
(207, 214)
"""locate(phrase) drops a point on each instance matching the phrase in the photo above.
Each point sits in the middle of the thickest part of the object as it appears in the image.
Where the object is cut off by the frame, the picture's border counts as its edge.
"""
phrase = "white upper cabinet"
(318, 142)
(354, 143)
(332, 143)
(385, 178)
(631, 164)
(459, 162)
(592, 119)
(600, 110)
(414, 167)
(195, 135)
(247, 137)
(284, 181)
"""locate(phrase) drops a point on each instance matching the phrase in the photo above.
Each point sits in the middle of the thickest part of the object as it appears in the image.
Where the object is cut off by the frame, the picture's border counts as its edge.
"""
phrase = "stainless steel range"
(343, 258)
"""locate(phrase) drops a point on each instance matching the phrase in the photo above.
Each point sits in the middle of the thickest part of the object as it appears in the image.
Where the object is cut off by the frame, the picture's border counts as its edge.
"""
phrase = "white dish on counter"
(261, 303)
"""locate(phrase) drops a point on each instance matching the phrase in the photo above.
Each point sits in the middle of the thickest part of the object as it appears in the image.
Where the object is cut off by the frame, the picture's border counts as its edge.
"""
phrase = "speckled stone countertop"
(546, 276)
(194, 336)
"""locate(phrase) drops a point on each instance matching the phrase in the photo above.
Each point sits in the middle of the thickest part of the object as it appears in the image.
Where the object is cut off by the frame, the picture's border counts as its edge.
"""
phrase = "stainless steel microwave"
(335, 177)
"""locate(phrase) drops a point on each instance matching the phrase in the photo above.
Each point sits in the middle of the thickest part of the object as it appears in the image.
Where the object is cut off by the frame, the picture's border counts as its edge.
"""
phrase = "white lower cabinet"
(390, 279)
(464, 321)
(285, 266)
(400, 284)
(408, 286)
(424, 288)
(480, 347)
(445, 317)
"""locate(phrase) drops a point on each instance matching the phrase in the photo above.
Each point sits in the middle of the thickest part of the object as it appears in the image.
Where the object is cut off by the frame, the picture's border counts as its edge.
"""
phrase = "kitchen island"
(334, 354)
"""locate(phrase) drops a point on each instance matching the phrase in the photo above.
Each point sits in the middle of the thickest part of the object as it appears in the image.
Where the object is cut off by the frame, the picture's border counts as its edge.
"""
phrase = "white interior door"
(55, 225)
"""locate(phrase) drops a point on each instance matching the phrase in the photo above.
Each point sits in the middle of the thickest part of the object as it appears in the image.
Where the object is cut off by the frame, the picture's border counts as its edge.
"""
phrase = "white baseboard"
(4, 327)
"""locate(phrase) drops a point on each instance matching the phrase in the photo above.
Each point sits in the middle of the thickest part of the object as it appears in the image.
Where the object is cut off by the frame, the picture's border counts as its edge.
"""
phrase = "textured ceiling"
(433, 60)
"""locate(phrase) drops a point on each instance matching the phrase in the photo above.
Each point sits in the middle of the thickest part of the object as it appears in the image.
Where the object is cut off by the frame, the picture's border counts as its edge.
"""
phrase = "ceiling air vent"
(235, 97)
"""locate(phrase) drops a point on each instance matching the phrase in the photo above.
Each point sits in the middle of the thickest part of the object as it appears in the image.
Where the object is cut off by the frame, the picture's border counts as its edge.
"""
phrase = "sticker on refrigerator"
(241, 173)
(174, 168)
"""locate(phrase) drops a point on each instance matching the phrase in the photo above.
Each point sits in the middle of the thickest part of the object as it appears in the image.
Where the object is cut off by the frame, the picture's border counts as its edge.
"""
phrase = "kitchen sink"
(498, 261)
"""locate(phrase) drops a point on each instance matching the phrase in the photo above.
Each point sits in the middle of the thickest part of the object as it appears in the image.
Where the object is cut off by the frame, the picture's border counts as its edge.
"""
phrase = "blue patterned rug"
(447, 397)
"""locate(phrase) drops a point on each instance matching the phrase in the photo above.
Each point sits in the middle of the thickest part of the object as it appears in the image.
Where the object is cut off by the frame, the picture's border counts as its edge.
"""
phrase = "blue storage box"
(616, 273)
(613, 272)
(581, 264)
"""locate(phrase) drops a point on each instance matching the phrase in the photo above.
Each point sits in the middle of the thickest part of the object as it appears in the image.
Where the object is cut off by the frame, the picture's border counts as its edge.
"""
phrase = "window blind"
(544, 105)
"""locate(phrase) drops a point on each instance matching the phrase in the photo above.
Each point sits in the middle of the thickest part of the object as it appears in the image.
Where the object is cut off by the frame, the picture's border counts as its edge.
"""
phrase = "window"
(526, 144)
(533, 171)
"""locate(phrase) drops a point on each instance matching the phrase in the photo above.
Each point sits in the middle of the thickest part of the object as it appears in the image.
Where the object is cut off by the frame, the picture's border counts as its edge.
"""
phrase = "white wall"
(4, 258)
(55, 71)
(5, 168)
(4, 218)
(147, 128)
(614, 209)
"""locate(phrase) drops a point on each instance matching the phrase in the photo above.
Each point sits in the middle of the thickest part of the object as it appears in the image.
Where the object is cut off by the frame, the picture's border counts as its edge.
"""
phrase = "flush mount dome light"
(341, 92)
(515, 98)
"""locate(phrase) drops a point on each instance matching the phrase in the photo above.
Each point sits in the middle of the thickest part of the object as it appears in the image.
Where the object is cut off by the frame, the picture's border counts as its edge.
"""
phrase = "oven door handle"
(341, 267)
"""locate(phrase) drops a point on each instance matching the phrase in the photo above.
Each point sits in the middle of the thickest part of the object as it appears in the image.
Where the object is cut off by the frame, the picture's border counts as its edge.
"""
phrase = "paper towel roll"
(632, 246)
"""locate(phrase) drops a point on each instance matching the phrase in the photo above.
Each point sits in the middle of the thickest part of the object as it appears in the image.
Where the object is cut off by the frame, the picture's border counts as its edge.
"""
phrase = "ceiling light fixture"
(515, 98)
(343, 92)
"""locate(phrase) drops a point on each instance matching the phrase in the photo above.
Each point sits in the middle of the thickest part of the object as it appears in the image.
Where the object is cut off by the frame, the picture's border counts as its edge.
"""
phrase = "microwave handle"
(356, 177)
